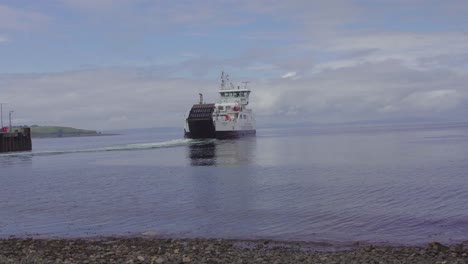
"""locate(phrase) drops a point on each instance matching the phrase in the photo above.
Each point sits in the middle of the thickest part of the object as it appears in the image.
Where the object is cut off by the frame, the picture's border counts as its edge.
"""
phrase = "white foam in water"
(128, 147)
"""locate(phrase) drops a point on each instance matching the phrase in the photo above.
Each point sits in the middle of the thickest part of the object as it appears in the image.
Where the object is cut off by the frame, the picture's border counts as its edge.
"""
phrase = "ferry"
(230, 117)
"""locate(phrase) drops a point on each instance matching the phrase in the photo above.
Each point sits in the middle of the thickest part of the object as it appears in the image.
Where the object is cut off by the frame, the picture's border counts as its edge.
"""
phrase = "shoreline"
(76, 136)
(167, 250)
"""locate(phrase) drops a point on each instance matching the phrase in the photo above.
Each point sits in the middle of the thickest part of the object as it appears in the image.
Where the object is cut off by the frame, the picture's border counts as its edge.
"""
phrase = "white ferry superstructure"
(230, 117)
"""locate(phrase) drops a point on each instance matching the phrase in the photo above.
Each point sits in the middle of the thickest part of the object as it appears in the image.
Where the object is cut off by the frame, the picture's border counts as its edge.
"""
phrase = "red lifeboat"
(236, 108)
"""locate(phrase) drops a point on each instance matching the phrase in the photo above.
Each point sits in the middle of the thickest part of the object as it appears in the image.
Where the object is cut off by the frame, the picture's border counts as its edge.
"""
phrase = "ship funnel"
(201, 98)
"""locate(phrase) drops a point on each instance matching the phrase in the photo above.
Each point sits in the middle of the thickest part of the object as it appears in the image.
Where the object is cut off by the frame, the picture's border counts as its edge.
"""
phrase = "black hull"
(223, 134)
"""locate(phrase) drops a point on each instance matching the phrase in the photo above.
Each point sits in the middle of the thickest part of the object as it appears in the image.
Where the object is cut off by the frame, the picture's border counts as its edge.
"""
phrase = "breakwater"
(19, 140)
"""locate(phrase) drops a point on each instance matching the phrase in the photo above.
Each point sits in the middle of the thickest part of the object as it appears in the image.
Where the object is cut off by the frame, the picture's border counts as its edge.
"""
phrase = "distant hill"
(57, 131)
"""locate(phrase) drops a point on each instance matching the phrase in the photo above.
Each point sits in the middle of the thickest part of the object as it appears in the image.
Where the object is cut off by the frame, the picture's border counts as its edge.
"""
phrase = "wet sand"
(153, 250)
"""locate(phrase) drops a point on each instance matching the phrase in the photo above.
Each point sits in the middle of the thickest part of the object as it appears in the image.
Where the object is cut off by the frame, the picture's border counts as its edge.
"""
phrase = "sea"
(403, 184)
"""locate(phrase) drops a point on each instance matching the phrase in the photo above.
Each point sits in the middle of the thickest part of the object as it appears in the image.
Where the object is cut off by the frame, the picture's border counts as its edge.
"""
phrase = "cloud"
(436, 100)
(416, 50)
(368, 91)
(161, 15)
(317, 61)
(20, 19)
(100, 98)
(289, 75)
(101, 5)
(111, 98)
(318, 16)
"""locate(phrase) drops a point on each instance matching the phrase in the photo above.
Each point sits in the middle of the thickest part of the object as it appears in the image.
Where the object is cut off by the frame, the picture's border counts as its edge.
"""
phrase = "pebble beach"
(153, 250)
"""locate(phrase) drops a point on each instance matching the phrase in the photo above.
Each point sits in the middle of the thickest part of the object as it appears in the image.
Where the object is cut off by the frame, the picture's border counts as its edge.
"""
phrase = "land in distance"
(59, 131)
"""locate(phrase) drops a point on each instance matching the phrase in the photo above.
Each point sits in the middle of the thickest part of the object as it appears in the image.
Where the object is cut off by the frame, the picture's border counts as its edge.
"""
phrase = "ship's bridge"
(239, 96)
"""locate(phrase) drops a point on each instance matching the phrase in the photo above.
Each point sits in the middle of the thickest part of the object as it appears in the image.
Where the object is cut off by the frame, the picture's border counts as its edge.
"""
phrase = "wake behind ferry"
(230, 117)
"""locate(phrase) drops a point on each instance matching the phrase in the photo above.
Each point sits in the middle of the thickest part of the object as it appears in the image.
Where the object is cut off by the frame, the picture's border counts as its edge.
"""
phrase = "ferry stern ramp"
(200, 122)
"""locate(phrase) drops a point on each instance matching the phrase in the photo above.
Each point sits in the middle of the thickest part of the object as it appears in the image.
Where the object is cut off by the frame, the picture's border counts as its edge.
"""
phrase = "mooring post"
(1, 115)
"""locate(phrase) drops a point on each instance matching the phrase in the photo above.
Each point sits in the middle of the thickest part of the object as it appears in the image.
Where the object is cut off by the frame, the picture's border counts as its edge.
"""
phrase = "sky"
(120, 64)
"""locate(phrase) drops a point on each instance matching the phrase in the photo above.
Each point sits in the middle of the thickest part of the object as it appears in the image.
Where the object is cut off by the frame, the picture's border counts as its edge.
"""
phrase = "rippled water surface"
(394, 184)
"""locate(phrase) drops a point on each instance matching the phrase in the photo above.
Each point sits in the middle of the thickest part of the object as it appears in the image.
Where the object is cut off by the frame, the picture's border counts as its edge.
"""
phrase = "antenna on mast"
(222, 80)
(230, 83)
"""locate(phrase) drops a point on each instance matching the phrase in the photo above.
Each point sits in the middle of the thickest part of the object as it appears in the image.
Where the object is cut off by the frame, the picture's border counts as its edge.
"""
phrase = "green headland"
(58, 131)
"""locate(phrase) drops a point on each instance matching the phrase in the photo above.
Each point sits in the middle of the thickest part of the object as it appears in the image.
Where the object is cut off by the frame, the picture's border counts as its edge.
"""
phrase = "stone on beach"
(143, 250)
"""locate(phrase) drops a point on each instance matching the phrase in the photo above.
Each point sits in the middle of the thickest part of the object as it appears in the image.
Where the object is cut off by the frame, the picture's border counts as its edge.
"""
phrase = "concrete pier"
(19, 140)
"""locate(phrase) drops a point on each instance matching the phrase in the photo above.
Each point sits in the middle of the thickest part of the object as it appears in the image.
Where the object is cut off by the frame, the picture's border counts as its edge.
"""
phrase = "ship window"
(228, 108)
(220, 108)
(222, 94)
